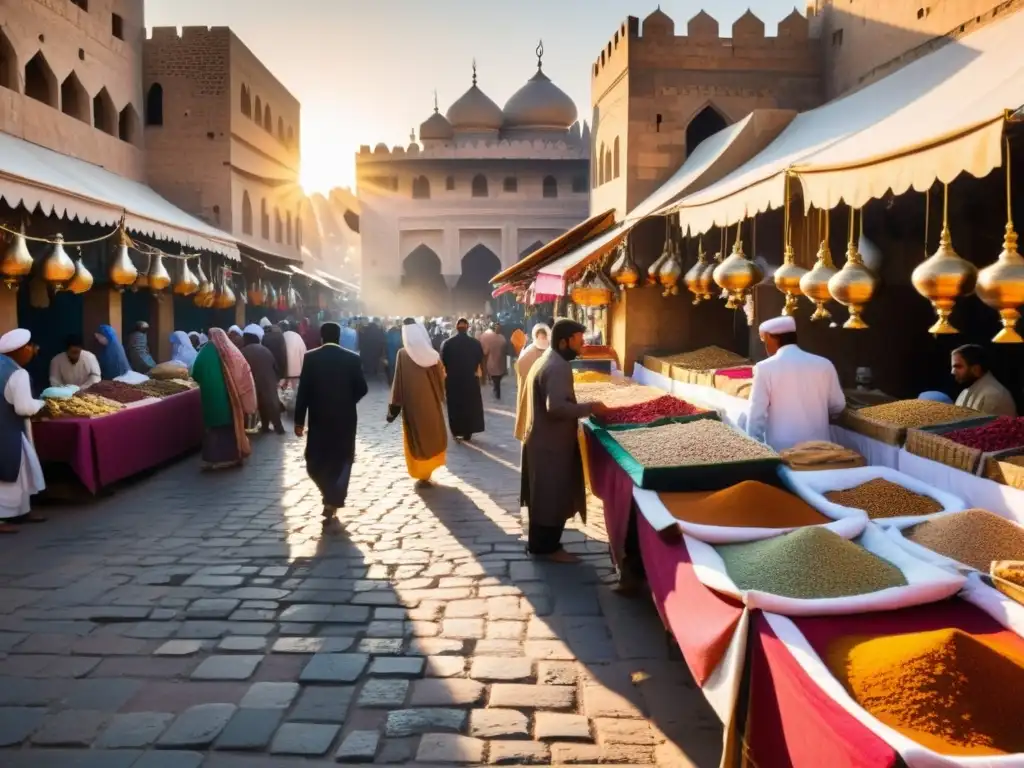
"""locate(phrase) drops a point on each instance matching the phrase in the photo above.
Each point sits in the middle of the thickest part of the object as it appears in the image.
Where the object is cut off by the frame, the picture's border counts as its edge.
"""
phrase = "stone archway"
(705, 124)
(473, 290)
(424, 291)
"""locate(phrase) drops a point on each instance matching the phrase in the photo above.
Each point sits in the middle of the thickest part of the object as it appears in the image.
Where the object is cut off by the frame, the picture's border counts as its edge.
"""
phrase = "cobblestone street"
(208, 620)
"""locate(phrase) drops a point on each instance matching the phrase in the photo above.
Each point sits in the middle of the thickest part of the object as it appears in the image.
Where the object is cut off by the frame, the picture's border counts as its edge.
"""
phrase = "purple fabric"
(614, 488)
(104, 450)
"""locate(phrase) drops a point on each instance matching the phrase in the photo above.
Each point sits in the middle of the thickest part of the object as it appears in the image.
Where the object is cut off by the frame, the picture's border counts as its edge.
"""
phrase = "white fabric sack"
(656, 513)
(812, 487)
(132, 377)
(913, 754)
(925, 583)
(1003, 609)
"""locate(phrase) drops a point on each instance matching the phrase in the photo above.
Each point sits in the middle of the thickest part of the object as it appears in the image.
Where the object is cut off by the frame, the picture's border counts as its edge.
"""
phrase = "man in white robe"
(21, 476)
(75, 366)
(794, 393)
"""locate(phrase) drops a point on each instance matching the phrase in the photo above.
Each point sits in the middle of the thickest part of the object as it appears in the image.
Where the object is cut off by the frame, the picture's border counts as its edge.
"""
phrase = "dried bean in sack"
(974, 537)
(883, 499)
(917, 413)
(697, 442)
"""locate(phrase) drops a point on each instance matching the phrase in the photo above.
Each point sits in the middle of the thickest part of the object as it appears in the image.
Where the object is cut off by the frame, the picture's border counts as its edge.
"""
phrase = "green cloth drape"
(213, 391)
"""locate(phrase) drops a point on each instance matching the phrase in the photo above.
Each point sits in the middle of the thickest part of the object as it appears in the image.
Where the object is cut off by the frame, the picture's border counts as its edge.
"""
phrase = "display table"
(105, 450)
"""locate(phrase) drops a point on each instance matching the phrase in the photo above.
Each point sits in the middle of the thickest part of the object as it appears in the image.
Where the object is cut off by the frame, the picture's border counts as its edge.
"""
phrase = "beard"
(568, 354)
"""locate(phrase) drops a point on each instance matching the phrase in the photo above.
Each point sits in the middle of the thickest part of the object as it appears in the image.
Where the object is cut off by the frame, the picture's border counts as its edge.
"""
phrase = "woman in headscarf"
(417, 393)
(193, 336)
(530, 355)
(112, 357)
(310, 335)
(182, 350)
(228, 394)
(295, 349)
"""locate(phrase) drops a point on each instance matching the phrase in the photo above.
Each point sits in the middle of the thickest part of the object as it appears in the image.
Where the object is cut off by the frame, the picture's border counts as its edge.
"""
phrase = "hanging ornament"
(82, 280)
(814, 284)
(256, 293)
(224, 297)
(142, 281)
(271, 299)
(159, 277)
(788, 276)
(187, 283)
(854, 284)
(204, 295)
(58, 267)
(671, 271)
(666, 253)
(737, 274)
(17, 261)
(594, 290)
(694, 277)
(624, 270)
(1001, 284)
(944, 276)
(122, 272)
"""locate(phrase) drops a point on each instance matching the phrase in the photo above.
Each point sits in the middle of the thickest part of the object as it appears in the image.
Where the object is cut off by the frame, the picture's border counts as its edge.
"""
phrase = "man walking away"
(265, 376)
(462, 356)
(552, 486)
(331, 385)
(496, 356)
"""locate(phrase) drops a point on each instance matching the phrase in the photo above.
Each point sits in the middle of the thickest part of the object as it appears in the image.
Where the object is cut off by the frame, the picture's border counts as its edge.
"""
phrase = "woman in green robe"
(228, 394)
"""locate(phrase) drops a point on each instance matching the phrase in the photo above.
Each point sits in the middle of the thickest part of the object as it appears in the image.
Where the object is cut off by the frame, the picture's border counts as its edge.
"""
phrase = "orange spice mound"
(945, 689)
(749, 504)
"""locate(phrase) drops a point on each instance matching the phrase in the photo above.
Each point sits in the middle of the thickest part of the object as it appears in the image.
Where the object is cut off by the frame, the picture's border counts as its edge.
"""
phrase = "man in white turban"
(20, 473)
(794, 392)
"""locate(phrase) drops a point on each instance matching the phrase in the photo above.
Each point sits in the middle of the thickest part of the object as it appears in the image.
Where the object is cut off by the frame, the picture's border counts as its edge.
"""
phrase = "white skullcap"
(253, 330)
(265, 323)
(778, 326)
(235, 329)
(13, 340)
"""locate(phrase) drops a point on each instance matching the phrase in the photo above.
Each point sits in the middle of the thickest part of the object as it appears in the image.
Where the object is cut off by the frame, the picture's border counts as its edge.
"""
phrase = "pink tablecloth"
(610, 483)
(111, 448)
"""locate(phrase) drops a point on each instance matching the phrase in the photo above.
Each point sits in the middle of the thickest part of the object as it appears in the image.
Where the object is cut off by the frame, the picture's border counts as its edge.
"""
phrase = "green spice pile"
(917, 413)
(882, 498)
(697, 442)
(808, 563)
(974, 537)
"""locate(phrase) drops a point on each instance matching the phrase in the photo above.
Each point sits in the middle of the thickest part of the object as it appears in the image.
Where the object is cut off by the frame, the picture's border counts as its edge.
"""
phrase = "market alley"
(208, 620)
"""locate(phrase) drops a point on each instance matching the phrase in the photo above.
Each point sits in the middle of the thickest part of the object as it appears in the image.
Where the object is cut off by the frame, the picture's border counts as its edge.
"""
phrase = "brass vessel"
(671, 272)
(82, 280)
(187, 283)
(159, 278)
(654, 271)
(142, 280)
(854, 284)
(787, 279)
(58, 267)
(271, 299)
(624, 270)
(122, 271)
(944, 276)
(692, 278)
(594, 290)
(1001, 286)
(17, 261)
(204, 295)
(737, 275)
(256, 293)
(814, 284)
(224, 296)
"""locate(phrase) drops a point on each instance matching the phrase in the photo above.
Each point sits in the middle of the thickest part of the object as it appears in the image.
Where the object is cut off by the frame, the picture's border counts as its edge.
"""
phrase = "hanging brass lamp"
(671, 270)
(204, 295)
(624, 270)
(58, 268)
(142, 281)
(256, 293)
(224, 298)
(814, 284)
(944, 276)
(693, 278)
(1001, 284)
(122, 271)
(187, 283)
(594, 290)
(82, 280)
(654, 270)
(787, 277)
(737, 274)
(17, 261)
(158, 278)
(271, 299)
(854, 284)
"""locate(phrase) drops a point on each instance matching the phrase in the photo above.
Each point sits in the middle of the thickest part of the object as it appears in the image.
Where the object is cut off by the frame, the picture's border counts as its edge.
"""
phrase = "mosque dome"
(540, 104)
(436, 127)
(474, 111)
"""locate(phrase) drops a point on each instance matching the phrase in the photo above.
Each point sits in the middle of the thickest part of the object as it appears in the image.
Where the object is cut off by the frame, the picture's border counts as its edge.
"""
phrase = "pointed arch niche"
(706, 123)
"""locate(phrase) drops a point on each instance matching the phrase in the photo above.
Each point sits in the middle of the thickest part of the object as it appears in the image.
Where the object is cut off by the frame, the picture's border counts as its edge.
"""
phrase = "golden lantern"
(58, 267)
(82, 280)
(122, 272)
(256, 293)
(594, 290)
(17, 261)
(271, 298)
(187, 283)
(224, 296)
(624, 270)
(671, 271)
(204, 295)
(944, 276)
(654, 270)
(159, 278)
(787, 277)
(693, 278)
(142, 281)
(854, 284)
(1001, 284)
(737, 274)
(814, 284)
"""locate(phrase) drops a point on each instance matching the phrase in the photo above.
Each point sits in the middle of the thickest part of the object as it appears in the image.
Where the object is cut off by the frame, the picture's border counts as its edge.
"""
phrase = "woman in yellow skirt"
(417, 393)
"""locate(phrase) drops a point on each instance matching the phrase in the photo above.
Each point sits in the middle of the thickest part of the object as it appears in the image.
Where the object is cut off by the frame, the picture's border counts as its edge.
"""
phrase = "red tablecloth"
(111, 448)
(614, 488)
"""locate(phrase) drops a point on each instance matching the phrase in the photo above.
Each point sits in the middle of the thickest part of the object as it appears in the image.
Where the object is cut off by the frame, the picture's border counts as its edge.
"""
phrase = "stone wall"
(82, 45)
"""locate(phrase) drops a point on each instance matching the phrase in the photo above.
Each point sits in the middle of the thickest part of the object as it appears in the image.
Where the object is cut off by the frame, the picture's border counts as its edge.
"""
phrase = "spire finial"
(435, 101)
(540, 53)
(412, 135)
(474, 71)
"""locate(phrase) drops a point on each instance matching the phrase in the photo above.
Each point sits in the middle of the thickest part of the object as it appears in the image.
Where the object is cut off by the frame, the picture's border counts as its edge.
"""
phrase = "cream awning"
(32, 176)
(935, 118)
(715, 157)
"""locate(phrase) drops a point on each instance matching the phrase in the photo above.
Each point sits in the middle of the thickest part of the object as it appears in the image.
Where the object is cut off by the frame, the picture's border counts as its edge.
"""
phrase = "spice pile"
(615, 395)
(808, 563)
(118, 391)
(974, 537)
(882, 499)
(697, 442)
(706, 359)
(744, 372)
(590, 377)
(916, 413)
(998, 435)
(749, 504)
(81, 406)
(939, 688)
(162, 388)
(653, 410)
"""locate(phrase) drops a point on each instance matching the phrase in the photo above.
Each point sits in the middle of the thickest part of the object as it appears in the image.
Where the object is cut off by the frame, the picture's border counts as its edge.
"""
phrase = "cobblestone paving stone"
(209, 620)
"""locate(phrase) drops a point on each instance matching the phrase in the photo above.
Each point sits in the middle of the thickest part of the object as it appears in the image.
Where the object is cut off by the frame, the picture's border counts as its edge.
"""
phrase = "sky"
(365, 71)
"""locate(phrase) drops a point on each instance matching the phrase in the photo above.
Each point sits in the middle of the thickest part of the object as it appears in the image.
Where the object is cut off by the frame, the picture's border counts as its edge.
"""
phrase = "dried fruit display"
(664, 407)
(118, 391)
(704, 441)
(81, 406)
(998, 435)
(706, 359)
(163, 388)
(883, 498)
(917, 413)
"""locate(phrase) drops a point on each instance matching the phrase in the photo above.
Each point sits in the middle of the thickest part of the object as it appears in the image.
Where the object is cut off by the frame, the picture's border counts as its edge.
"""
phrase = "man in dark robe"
(462, 356)
(372, 343)
(331, 385)
(553, 489)
(138, 348)
(273, 339)
(265, 375)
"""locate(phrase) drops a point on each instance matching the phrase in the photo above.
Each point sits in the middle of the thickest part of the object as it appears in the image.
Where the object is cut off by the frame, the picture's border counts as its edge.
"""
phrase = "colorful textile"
(209, 374)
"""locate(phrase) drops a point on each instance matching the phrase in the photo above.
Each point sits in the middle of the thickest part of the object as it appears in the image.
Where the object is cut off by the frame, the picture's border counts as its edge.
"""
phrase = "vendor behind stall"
(983, 391)
(794, 392)
(138, 349)
(74, 366)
